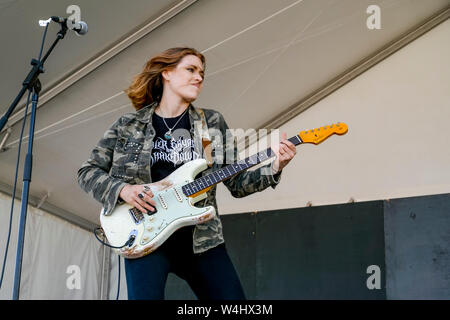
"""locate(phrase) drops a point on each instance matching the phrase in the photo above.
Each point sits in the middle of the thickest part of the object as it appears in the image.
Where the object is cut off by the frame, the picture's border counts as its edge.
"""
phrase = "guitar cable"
(130, 240)
(118, 279)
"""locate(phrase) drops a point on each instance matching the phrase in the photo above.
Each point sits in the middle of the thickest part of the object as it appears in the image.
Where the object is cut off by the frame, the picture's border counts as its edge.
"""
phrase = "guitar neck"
(228, 171)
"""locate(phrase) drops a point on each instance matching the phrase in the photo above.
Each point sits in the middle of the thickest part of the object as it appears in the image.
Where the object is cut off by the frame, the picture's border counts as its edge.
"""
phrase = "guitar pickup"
(177, 195)
(161, 200)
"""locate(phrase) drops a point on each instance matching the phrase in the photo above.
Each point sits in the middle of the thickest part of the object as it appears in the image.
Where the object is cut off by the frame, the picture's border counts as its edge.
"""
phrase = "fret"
(261, 157)
(195, 187)
(265, 155)
(211, 181)
(295, 140)
(232, 169)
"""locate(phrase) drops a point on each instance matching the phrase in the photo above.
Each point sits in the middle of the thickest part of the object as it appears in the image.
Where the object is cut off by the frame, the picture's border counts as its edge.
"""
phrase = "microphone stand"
(33, 84)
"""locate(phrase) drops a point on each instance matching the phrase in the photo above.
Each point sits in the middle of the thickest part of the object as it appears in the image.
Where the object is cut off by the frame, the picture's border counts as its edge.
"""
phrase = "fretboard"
(230, 170)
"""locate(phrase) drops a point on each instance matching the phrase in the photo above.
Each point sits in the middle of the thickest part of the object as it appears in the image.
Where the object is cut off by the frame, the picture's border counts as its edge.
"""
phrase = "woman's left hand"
(285, 151)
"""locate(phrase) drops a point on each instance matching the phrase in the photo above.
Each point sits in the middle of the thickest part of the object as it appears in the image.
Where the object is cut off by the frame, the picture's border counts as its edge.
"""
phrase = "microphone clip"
(80, 27)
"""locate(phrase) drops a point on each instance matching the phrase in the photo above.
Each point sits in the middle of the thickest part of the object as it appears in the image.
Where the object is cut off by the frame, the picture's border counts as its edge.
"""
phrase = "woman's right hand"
(139, 197)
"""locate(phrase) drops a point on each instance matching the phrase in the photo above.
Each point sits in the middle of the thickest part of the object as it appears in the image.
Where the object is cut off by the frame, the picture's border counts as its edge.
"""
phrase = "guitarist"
(145, 147)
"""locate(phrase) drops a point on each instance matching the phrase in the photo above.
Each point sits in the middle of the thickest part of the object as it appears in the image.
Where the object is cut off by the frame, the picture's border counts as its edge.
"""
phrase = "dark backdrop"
(324, 252)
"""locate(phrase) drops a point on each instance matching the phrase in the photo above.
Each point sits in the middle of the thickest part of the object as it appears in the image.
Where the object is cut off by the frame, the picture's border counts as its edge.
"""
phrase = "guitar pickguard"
(174, 210)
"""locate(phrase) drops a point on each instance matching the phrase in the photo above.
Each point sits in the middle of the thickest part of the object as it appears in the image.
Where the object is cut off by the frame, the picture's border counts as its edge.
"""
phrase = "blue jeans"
(211, 274)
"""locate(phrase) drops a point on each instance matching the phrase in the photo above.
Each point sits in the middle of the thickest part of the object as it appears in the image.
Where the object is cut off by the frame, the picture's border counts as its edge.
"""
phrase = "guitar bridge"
(137, 215)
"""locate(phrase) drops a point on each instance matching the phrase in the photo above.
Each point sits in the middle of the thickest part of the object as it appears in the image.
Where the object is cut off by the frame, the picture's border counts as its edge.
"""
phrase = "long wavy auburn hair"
(147, 86)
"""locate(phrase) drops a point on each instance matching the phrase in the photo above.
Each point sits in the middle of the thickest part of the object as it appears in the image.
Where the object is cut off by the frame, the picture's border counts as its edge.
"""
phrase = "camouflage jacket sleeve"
(94, 177)
(250, 181)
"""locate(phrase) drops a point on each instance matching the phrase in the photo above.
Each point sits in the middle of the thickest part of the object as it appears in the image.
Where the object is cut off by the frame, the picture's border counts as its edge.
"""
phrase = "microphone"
(80, 27)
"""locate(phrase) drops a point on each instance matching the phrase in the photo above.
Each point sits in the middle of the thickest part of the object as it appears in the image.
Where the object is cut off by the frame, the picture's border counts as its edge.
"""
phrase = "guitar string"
(268, 153)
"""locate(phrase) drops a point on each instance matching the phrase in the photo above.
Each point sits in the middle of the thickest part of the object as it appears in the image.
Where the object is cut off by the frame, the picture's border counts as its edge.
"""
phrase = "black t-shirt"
(170, 154)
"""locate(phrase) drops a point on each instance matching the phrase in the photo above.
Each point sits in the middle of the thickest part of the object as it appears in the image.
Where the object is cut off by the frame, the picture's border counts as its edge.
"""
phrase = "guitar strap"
(206, 139)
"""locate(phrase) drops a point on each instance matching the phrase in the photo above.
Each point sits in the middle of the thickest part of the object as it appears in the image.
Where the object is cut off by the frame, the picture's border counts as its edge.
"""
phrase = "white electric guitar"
(134, 234)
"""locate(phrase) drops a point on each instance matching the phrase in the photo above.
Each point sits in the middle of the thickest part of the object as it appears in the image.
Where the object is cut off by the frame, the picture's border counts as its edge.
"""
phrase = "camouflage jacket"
(123, 156)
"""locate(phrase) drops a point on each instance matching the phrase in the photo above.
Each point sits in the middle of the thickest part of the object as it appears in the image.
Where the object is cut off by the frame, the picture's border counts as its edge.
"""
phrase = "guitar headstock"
(317, 135)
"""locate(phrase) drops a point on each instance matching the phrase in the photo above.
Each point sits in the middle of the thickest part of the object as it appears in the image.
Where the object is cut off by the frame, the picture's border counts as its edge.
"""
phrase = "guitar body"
(174, 210)
(137, 234)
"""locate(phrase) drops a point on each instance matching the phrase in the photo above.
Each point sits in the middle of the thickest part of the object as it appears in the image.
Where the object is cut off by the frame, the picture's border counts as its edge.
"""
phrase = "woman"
(148, 145)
